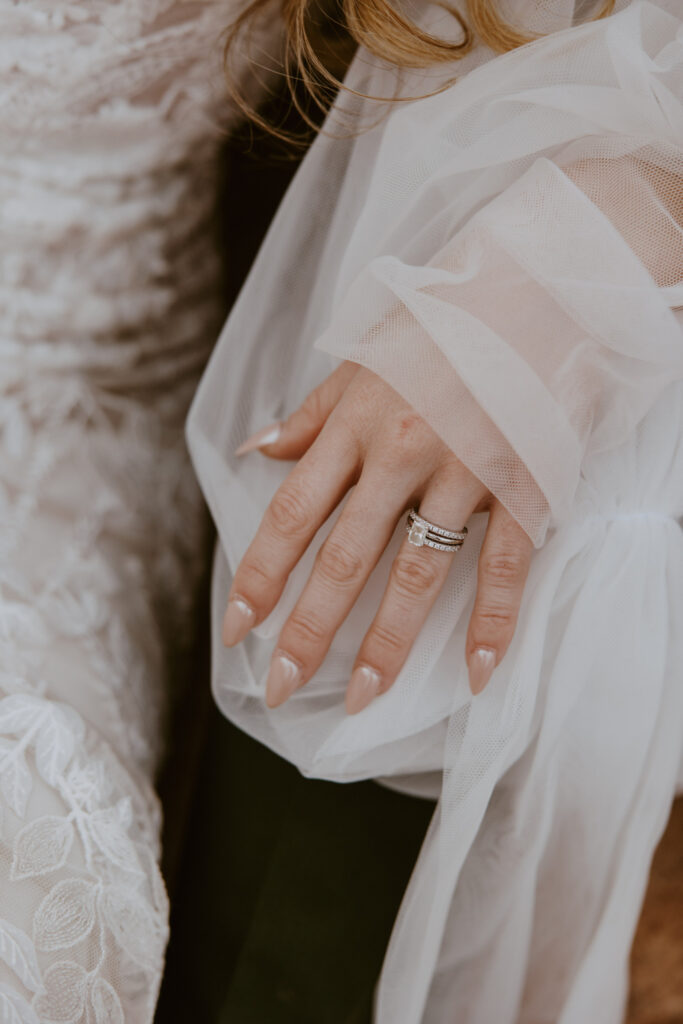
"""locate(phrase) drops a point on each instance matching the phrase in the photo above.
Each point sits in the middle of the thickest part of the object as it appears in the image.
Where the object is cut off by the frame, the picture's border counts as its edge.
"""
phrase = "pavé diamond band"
(423, 533)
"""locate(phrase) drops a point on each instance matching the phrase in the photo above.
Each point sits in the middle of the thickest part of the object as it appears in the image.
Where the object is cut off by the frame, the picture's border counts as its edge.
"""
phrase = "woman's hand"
(356, 430)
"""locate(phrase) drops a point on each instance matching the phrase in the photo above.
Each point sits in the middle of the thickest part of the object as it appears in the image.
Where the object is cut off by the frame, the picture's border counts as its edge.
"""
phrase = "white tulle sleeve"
(542, 329)
(507, 254)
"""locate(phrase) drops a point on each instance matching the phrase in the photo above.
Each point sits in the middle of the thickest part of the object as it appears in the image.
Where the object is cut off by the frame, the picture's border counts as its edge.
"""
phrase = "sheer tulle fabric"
(507, 254)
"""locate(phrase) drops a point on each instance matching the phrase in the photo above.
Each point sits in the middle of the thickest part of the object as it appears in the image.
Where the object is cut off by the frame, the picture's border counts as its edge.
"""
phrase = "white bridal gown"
(508, 255)
(109, 283)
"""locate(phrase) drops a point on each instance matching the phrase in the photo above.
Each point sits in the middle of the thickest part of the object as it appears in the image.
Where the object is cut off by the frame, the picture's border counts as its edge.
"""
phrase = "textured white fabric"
(108, 305)
(508, 255)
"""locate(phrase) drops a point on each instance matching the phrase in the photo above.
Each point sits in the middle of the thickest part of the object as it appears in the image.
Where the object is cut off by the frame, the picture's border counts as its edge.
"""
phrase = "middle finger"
(417, 576)
(342, 567)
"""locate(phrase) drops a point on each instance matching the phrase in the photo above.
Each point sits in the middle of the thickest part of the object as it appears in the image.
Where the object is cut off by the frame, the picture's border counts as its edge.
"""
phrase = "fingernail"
(482, 664)
(284, 678)
(362, 689)
(238, 619)
(268, 435)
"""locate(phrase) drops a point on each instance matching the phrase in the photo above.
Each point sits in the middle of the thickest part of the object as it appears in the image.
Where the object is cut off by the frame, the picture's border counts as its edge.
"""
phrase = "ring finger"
(417, 576)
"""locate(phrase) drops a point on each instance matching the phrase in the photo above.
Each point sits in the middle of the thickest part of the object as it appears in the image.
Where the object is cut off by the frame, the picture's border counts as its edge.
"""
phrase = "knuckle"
(253, 578)
(414, 577)
(503, 570)
(494, 619)
(409, 437)
(305, 629)
(386, 639)
(408, 426)
(339, 564)
(311, 409)
(287, 512)
(403, 442)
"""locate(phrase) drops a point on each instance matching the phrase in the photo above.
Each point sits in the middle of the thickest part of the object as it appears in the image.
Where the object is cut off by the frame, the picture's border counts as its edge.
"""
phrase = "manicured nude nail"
(482, 664)
(284, 678)
(238, 619)
(268, 435)
(363, 688)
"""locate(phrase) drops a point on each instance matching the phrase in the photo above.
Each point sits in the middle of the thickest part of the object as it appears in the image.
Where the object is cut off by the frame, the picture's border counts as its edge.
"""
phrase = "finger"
(503, 569)
(342, 567)
(295, 435)
(417, 576)
(298, 509)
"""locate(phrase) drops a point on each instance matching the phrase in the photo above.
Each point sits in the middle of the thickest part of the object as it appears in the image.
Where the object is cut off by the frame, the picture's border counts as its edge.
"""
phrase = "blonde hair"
(309, 59)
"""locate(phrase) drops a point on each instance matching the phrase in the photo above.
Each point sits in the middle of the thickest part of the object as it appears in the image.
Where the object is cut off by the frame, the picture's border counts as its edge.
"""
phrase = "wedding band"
(423, 533)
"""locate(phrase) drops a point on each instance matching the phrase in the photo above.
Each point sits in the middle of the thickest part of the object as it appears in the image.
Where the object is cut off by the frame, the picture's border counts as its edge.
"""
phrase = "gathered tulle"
(507, 254)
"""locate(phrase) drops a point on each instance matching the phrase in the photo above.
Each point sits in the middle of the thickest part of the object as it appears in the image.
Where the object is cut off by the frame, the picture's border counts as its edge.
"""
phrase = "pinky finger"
(503, 569)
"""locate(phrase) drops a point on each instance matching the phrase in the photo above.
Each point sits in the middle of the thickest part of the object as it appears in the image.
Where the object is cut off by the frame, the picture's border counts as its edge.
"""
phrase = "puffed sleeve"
(544, 327)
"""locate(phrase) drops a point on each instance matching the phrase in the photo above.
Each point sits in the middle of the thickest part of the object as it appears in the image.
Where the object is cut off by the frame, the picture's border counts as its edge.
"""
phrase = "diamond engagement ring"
(423, 533)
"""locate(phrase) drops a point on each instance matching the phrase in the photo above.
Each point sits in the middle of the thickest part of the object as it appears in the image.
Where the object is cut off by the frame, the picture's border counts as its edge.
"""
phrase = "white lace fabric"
(109, 284)
(506, 254)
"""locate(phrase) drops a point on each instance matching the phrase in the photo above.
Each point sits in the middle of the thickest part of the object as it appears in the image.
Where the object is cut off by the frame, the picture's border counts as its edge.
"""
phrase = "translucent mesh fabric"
(507, 254)
(550, 288)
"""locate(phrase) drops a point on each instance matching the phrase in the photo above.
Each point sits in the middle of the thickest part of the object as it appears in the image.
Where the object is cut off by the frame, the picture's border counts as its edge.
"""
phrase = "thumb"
(294, 436)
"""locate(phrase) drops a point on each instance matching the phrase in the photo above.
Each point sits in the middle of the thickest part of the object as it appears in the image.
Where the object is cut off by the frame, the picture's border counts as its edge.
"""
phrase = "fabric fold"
(508, 255)
(578, 341)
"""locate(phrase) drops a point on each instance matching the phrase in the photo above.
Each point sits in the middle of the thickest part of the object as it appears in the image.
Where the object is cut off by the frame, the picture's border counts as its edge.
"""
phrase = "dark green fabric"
(287, 893)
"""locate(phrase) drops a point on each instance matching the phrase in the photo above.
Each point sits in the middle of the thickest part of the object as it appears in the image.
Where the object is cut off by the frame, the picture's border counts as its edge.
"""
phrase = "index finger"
(297, 511)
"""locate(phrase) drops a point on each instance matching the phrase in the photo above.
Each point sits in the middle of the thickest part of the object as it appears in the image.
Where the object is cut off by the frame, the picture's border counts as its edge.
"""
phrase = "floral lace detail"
(107, 902)
(109, 130)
